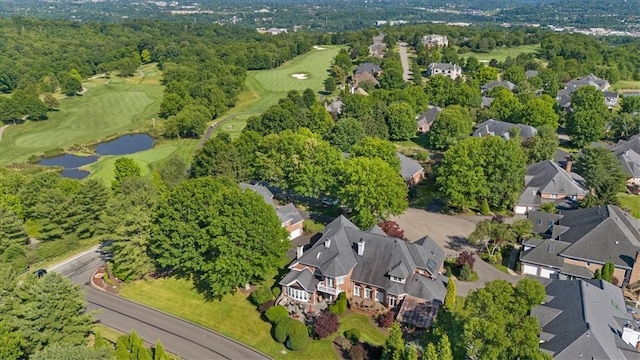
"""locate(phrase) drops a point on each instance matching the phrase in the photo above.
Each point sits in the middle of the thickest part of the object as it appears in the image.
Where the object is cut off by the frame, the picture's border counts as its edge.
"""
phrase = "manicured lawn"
(501, 54)
(370, 333)
(629, 201)
(233, 316)
(147, 160)
(236, 317)
(104, 110)
(264, 88)
(626, 85)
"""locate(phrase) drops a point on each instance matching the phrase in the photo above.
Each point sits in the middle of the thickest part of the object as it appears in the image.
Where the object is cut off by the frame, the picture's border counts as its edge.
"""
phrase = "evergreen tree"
(444, 348)
(86, 208)
(159, 353)
(410, 352)
(430, 353)
(450, 297)
(11, 229)
(394, 345)
(131, 347)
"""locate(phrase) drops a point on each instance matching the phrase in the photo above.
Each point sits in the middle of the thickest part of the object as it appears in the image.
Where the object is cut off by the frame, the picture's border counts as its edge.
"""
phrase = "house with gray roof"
(368, 67)
(410, 170)
(628, 153)
(335, 107)
(546, 181)
(530, 73)
(490, 85)
(426, 119)
(564, 96)
(368, 266)
(586, 319)
(446, 69)
(289, 216)
(576, 243)
(502, 128)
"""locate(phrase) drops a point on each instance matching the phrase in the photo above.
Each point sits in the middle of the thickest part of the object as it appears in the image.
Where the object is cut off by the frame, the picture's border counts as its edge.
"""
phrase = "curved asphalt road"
(178, 336)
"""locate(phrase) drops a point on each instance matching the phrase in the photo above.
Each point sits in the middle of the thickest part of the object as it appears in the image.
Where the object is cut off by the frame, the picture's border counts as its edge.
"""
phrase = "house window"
(356, 290)
(340, 280)
(539, 221)
(397, 279)
(297, 294)
(550, 222)
(367, 293)
(554, 196)
(380, 296)
(392, 301)
(330, 282)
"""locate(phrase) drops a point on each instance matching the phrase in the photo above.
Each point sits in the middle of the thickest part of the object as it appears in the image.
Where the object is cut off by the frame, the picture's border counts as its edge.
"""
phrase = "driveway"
(451, 232)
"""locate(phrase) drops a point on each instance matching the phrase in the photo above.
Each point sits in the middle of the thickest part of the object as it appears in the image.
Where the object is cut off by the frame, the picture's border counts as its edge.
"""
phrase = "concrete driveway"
(451, 232)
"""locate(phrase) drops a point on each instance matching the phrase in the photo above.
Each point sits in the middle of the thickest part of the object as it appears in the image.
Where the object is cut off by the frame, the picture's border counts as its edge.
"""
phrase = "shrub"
(311, 227)
(261, 295)
(276, 314)
(466, 273)
(358, 352)
(281, 330)
(422, 156)
(298, 335)
(484, 207)
(266, 306)
(326, 324)
(276, 292)
(340, 305)
(354, 335)
(466, 257)
(386, 319)
(391, 228)
(518, 267)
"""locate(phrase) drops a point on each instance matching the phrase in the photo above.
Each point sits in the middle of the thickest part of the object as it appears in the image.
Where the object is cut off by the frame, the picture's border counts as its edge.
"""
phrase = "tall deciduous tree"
(538, 112)
(589, 116)
(515, 74)
(542, 146)
(452, 125)
(401, 121)
(602, 173)
(498, 324)
(347, 132)
(375, 147)
(372, 189)
(191, 121)
(220, 236)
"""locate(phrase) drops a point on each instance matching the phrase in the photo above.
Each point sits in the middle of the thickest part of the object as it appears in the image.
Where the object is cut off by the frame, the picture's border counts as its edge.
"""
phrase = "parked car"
(329, 201)
(40, 272)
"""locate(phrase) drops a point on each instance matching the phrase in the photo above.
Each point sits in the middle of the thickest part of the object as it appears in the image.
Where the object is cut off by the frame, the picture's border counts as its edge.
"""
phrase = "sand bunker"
(319, 47)
(300, 76)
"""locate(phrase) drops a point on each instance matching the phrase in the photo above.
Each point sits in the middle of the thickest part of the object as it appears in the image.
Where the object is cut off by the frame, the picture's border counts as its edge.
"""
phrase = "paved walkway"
(404, 59)
(451, 232)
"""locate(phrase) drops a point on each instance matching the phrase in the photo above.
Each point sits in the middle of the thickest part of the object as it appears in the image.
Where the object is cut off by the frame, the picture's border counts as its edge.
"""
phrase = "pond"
(123, 145)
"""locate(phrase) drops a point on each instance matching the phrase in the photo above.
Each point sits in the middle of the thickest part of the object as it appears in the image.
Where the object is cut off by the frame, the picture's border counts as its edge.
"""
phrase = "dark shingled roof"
(501, 128)
(285, 213)
(546, 254)
(370, 68)
(335, 254)
(429, 116)
(506, 84)
(408, 166)
(582, 319)
(547, 177)
(628, 153)
(304, 278)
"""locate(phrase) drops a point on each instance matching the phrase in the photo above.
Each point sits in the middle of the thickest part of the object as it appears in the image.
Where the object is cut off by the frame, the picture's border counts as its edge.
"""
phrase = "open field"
(264, 88)
(632, 202)
(236, 317)
(147, 160)
(109, 107)
(623, 85)
(501, 54)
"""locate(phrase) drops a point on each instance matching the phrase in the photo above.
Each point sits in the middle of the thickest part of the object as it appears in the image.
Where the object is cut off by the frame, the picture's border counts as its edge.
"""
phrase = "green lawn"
(147, 160)
(626, 85)
(501, 54)
(264, 88)
(106, 109)
(235, 317)
(629, 201)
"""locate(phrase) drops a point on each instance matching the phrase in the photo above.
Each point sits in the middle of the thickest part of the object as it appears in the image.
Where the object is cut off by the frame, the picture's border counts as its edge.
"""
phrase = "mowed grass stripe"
(104, 110)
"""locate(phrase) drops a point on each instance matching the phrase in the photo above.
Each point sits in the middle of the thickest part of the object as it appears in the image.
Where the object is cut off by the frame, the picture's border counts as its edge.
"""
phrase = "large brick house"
(576, 243)
(368, 266)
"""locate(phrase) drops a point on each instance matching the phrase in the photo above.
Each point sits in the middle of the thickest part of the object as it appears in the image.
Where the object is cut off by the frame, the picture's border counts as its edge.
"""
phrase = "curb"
(263, 355)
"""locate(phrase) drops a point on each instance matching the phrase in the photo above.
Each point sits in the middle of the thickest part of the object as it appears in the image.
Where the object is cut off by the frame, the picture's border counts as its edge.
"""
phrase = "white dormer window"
(397, 279)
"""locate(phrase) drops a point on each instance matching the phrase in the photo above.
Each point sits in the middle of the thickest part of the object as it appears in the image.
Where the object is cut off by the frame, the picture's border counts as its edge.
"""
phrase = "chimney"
(569, 164)
(361, 247)
(299, 251)
(327, 243)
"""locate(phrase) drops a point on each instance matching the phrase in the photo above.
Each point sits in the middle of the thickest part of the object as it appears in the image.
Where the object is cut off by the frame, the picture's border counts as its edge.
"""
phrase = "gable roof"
(305, 278)
(429, 116)
(597, 234)
(335, 254)
(262, 190)
(547, 177)
(583, 319)
(408, 166)
(501, 128)
(486, 101)
(335, 107)
(367, 67)
(507, 84)
(285, 213)
(444, 66)
(530, 73)
(628, 153)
